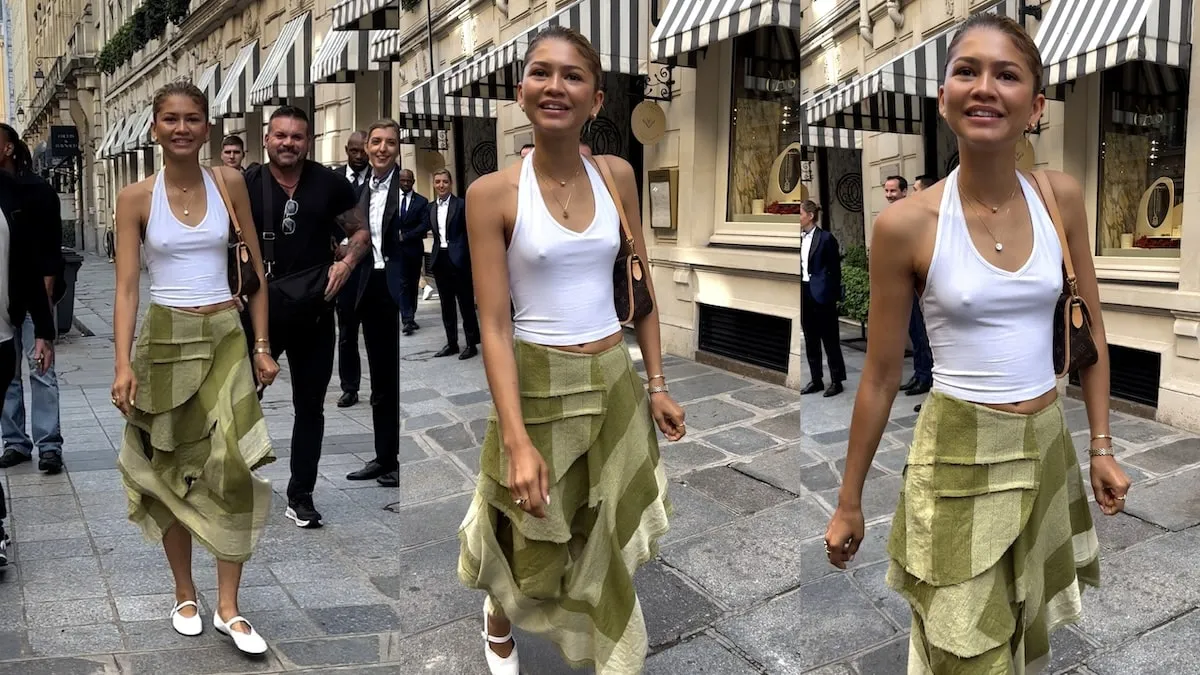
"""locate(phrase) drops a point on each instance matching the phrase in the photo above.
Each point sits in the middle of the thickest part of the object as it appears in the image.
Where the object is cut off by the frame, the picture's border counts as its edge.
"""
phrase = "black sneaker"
(50, 462)
(302, 512)
(12, 457)
(3, 547)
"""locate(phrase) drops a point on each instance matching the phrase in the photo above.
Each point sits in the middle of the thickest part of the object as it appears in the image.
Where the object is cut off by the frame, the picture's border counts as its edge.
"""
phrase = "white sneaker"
(187, 625)
(250, 643)
(428, 293)
(498, 665)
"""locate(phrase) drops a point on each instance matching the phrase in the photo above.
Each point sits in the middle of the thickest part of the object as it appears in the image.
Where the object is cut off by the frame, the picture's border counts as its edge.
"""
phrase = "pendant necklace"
(562, 183)
(188, 203)
(971, 202)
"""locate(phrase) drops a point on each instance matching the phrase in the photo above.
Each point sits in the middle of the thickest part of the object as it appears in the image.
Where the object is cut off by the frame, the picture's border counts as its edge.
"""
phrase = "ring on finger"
(521, 501)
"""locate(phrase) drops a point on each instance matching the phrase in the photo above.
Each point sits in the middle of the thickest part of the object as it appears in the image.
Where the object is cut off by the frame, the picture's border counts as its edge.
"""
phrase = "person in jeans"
(42, 204)
(21, 292)
(302, 209)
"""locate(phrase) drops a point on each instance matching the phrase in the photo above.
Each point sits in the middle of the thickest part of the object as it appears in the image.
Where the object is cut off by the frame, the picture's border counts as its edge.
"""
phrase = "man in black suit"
(357, 170)
(404, 249)
(375, 305)
(452, 266)
(820, 289)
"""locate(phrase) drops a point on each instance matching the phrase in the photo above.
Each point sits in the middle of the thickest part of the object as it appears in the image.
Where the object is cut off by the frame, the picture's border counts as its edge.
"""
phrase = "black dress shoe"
(833, 390)
(12, 457)
(348, 399)
(920, 388)
(389, 479)
(912, 382)
(408, 329)
(469, 352)
(50, 462)
(917, 408)
(373, 469)
(448, 350)
(812, 388)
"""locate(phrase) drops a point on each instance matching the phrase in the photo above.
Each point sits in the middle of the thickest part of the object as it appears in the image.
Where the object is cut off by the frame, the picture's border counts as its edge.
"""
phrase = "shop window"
(1142, 132)
(765, 158)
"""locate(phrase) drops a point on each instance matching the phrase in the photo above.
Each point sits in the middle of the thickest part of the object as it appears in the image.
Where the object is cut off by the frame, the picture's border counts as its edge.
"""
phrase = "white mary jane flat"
(190, 626)
(250, 643)
(499, 665)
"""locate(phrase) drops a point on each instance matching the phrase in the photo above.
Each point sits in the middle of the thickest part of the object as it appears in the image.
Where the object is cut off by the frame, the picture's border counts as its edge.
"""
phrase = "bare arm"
(131, 207)
(358, 235)
(241, 206)
(892, 285)
(489, 265)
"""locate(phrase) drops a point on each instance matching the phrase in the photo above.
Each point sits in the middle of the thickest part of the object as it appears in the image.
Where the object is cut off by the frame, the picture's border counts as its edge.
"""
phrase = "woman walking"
(992, 540)
(194, 432)
(571, 496)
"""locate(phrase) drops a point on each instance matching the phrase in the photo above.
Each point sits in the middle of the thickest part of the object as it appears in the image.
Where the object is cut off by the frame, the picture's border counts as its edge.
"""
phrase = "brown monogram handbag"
(1074, 347)
(243, 278)
(631, 291)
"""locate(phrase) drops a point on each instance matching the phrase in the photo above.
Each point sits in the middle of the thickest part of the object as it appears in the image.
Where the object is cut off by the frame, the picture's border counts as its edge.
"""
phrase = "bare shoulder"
(494, 185)
(231, 175)
(621, 168)
(136, 195)
(905, 220)
(1066, 188)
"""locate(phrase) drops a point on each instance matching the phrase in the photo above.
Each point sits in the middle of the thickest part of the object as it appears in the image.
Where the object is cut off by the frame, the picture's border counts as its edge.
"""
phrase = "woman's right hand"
(124, 389)
(843, 536)
(528, 479)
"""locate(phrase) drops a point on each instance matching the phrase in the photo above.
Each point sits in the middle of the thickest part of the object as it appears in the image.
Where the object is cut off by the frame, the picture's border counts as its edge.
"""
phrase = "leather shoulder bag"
(1074, 346)
(631, 291)
(243, 278)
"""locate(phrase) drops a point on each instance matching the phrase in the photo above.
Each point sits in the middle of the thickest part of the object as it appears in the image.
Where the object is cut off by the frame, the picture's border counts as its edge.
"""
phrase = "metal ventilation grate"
(1134, 374)
(758, 339)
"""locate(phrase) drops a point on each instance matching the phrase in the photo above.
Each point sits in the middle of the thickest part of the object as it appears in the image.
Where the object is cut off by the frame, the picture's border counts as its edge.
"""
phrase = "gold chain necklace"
(190, 195)
(561, 183)
(970, 202)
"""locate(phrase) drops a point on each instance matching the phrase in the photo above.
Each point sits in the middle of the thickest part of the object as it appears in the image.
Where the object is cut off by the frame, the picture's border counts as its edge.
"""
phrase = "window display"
(766, 161)
(1142, 133)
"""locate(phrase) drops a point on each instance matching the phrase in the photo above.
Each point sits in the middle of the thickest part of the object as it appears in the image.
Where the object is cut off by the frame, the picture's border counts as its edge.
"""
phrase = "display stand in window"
(1142, 147)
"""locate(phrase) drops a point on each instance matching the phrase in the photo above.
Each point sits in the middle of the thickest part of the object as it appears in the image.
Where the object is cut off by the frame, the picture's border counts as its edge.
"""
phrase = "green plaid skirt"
(196, 433)
(992, 541)
(569, 576)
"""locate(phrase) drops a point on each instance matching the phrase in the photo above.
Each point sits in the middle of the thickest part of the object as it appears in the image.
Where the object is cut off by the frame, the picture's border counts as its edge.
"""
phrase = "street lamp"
(39, 78)
(21, 115)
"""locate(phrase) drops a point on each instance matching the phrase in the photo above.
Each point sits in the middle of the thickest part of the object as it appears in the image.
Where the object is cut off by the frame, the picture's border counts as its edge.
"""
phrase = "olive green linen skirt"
(196, 433)
(569, 577)
(992, 541)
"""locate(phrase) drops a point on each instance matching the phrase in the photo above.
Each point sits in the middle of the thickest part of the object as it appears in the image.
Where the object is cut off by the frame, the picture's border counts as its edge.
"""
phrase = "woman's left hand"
(265, 369)
(668, 415)
(1109, 484)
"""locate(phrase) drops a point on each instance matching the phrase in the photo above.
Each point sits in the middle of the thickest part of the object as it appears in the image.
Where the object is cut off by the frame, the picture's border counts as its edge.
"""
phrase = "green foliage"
(856, 289)
(147, 23)
(855, 256)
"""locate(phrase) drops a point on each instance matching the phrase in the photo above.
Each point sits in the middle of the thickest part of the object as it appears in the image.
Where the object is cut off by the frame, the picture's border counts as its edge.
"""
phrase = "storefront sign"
(649, 123)
(64, 141)
(664, 198)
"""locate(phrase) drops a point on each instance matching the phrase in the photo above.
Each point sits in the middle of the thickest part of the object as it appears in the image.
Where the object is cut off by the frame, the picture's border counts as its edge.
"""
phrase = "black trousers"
(820, 325)
(454, 285)
(380, 320)
(411, 264)
(308, 342)
(349, 367)
(8, 370)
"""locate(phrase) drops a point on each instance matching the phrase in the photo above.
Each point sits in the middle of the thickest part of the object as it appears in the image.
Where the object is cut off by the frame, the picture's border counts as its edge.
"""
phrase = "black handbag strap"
(268, 225)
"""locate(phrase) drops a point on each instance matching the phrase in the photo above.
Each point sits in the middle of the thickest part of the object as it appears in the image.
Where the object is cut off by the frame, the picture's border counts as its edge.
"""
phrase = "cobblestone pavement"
(375, 591)
(1143, 619)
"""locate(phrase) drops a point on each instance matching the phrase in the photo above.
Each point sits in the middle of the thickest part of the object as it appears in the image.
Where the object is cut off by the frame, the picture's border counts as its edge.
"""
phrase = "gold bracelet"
(262, 350)
(655, 377)
(262, 341)
(1100, 452)
(1098, 437)
(658, 390)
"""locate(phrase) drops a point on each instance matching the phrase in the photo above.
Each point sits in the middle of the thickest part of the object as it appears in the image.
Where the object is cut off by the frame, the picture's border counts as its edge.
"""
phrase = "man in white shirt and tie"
(451, 262)
(405, 250)
(357, 171)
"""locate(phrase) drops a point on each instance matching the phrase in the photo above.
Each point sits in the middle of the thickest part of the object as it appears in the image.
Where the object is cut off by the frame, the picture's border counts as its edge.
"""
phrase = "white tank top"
(991, 330)
(188, 265)
(561, 281)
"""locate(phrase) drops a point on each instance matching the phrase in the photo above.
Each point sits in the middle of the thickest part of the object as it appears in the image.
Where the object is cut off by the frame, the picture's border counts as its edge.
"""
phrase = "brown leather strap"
(602, 164)
(1047, 191)
(233, 219)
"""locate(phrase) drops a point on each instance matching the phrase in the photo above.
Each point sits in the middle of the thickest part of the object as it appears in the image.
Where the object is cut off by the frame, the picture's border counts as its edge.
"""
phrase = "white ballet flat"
(498, 665)
(190, 626)
(250, 643)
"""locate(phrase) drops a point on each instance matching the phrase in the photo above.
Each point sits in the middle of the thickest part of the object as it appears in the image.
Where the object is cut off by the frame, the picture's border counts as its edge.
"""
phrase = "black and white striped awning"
(426, 107)
(342, 55)
(233, 99)
(891, 98)
(1081, 37)
(106, 149)
(614, 28)
(138, 134)
(286, 72)
(690, 25)
(209, 82)
(366, 15)
(828, 137)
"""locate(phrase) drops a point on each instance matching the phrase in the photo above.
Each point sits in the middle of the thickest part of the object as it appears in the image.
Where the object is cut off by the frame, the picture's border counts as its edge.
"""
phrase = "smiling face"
(286, 141)
(180, 125)
(442, 185)
(990, 95)
(382, 148)
(559, 92)
(892, 190)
